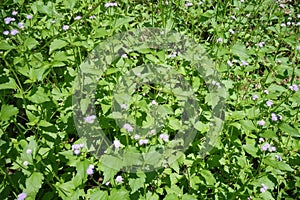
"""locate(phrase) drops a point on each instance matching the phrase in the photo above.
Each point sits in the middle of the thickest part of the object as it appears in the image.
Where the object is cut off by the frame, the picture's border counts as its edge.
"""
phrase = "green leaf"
(248, 125)
(240, 50)
(136, 183)
(8, 111)
(30, 43)
(39, 96)
(122, 21)
(7, 83)
(277, 164)
(119, 194)
(98, 194)
(33, 184)
(289, 130)
(174, 123)
(208, 176)
(5, 46)
(57, 44)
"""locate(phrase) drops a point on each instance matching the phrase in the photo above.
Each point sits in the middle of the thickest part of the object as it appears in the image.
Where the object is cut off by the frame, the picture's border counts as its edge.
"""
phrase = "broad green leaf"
(277, 164)
(240, 50)
(7, 83)
(248, 125)
(136, 183)
(33, 184)
(98, 194)
(39, 96)
(174, 123)
(119, 194)
(57, 44)
(30, 43)
(5, 46)
(8, 111)
(289, 130)
(208, 176)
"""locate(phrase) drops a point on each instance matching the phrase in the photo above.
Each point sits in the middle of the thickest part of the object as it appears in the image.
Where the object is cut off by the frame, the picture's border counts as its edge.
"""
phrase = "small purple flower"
(29, 16)
(269, 103)
(117, 144)
(272, 148)
(14, 32)
(264, 188)
(128, 127)
(281, 5)
(288, 23)
(294, 87)
(219, 40)
(231, 31)
(14, 12)
(244, 63)
(154, 102)
(164, 137)
(152, 132)
(65, 27)
(136, 137)
(92, 17)
(265, 147)
(124, 106)
(261, 122)
(7, 20)
(119, 179)
(274, 117)
(261, 44)
(298, 48)
(143, 141)
(25, 163)
(109, 4)
(28, 151)
(78, 17)
(260, 140)
(90, 119)
(283, 25)
(107, 183)
(189, 4)
(22, 196)
(229, 63)
(5, 32)
(76, 148)
(266, 91)
(254, 97)
(77, 151)
(90, 170)
(21, 25)
(124, 55)
(278, 157)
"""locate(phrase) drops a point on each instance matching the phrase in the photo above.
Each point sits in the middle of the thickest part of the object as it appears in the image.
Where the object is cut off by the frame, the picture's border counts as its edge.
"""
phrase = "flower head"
(231, 31)
(278, 157)
(164, 137)
(29, 16)
(90, 169)
(14, 32)
(21, 25)
(143, 141)
(136, 137)
(22, 196)
(65, 27)
(219, 40)
(272, 148)
(260, 140)
(264, 188)
(265, 147)
(266, 91)
(110, 4)
(124, 55)
(119, 179)
(14, 12)
(5, 32)
(298, 48)
(189, 4)
(254, 97)
(274, 117)
(7, 20)
(25, 163)
(154, 102)
(128, 127)
(78, 17)
(123, 106)
(117, 144)
(261, 122)
(261, 44)
(28, 151)
(244, 63)
(90, 119)
(229, 63)
(294, 87)
(269, 103)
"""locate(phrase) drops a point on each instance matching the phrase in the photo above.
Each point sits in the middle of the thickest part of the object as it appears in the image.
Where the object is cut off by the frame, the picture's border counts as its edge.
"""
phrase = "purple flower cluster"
(76, 148)
(90, 170)
(267, 146)
(9, 20)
